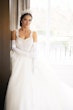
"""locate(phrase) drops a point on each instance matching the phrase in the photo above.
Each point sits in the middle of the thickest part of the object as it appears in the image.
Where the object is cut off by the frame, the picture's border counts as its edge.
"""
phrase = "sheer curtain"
(54, 24)
(15, 9)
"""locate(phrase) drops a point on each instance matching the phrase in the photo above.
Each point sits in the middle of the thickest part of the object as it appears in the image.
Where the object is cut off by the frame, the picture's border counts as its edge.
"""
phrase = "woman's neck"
(25, 28)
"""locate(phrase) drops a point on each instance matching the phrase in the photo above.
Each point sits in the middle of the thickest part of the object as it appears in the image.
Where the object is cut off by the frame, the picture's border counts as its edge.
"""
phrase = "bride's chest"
(24, 44)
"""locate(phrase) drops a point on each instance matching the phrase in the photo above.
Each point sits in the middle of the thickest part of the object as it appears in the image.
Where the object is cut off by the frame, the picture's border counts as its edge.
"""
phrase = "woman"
(21, 66)
(32, 85)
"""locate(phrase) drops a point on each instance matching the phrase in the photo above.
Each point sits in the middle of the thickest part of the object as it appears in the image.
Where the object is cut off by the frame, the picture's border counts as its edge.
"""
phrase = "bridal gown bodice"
(24, 44)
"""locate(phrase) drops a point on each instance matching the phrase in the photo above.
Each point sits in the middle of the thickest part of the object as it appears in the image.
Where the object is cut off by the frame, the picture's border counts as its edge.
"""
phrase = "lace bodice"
(24, 44)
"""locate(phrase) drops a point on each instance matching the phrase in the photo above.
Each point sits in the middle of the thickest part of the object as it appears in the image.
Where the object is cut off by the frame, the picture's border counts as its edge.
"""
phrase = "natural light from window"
(54, 19)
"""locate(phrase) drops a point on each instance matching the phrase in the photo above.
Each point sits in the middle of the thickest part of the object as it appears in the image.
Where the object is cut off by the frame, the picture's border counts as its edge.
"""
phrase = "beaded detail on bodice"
(24, 44)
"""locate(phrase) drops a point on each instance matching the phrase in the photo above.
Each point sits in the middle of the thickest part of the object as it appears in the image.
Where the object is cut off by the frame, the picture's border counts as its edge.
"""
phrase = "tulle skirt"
(34, 86)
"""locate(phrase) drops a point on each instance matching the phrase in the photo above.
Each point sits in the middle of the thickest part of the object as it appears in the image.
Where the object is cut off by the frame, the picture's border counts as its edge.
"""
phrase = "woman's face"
(26, 21)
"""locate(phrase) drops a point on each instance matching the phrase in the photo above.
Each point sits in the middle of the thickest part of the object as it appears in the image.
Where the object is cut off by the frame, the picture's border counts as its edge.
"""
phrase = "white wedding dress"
(33, 85)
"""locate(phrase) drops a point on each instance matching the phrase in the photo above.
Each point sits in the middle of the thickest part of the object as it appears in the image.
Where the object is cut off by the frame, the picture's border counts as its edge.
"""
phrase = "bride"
(32, 84)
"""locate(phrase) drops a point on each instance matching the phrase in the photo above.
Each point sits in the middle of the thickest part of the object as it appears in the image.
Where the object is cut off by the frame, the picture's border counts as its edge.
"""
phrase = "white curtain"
(15, 9)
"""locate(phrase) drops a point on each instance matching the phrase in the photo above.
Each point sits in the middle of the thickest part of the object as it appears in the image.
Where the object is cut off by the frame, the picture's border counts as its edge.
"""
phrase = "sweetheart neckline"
(23, 38)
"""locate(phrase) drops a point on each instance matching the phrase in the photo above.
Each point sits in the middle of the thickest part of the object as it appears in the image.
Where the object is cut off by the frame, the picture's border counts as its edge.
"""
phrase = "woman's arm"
(13, 35)
(13, 39)
(34, 37)
(35, 45)
(35, 50)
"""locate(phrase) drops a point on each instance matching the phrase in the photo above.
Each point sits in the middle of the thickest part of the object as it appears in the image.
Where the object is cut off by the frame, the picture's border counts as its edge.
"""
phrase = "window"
(40, 16)
(54, 19)
(55, 16)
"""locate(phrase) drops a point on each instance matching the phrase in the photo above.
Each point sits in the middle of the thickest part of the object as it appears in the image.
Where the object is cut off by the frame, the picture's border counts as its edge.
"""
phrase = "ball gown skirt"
(36, 88)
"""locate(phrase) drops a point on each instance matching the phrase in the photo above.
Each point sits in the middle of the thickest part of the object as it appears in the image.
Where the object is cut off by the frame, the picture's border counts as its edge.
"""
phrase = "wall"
(4, 49)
